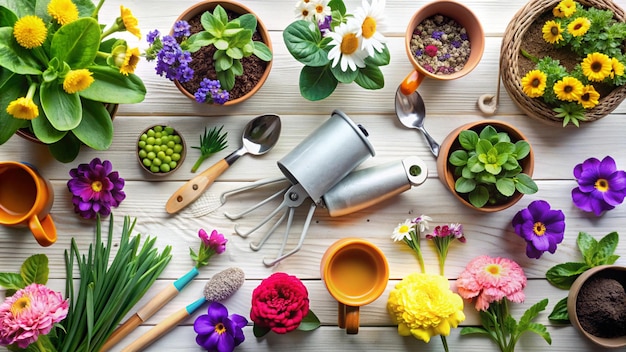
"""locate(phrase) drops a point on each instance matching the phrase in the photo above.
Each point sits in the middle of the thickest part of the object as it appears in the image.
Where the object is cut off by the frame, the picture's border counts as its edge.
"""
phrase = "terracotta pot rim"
(208, 5)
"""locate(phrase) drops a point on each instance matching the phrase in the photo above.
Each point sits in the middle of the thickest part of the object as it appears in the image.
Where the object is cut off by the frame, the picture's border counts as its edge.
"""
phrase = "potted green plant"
(487, 165)
(62, 76)
(226, 50)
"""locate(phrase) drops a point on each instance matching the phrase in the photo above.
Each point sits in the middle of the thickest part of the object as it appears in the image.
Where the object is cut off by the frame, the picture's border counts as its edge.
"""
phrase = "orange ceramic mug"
(355, 272)
(464, 17)
(25, 200)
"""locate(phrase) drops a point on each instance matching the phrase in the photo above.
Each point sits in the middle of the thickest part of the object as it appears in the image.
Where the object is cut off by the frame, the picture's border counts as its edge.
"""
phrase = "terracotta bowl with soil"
(596, 305)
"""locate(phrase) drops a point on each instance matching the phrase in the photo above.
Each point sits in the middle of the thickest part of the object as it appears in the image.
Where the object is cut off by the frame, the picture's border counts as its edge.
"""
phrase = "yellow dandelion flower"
(596, 66)
(30, 32)
(130, 22)
(63, 11)
(131, 59)
(579, 26)
(23, 108)
(568, 89)
(617, 68)
(567, 7)
(534, 83)
(552, 32)
(589, 98)
(77, 80)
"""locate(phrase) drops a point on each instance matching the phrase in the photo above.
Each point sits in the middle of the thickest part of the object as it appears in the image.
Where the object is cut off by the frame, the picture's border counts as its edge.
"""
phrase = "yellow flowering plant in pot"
(60, 70)
(585, 64)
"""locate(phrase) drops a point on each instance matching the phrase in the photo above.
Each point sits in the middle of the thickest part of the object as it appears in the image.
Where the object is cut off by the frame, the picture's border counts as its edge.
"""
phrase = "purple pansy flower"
(600, 185)
(95, 188)
(218, 331)
(324, 25)
(541, 227)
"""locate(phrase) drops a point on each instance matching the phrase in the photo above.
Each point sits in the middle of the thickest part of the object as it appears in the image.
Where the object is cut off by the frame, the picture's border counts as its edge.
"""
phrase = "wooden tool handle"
(157, 332)
(122, 331)
(192, 190)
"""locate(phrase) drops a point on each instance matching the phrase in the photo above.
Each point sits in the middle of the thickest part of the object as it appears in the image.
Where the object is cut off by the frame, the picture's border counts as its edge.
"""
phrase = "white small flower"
(320, 9)
(305, 10)
(346, 47)
(402, 231)
(422, 222)
(370, 17)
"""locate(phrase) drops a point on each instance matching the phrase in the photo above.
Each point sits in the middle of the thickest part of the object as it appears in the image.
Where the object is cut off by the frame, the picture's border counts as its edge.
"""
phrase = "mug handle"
(411, 82)
(352, 320)
(44, 230)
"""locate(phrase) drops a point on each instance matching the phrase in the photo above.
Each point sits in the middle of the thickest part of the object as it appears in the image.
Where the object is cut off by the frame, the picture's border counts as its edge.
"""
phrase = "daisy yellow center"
(368, 27)
(494, 269)
(319, 8)
(554, 31)
(96, 186)
(220, 328)
(404, 229)
(568, 89)
(596, 66)
(602, 185)
(20, 305)
(535, 82)
(30, 32)
(539, 228)
(349, 44)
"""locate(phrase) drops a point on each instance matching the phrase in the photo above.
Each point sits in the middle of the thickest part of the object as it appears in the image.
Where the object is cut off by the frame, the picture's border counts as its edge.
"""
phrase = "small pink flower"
(30, 312)
(217, 242)
(430, 50)
(213, 244)
(490, 280)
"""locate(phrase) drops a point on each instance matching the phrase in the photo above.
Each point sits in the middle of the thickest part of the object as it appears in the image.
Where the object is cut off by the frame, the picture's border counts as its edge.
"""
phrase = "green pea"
(167, 159)
(169, 130)
(175, 156)
(169, 151)
(158, 128)
(147, 162)
(143, 154)
(142, 144)
(173, 165)
(177, 139)
(178, 148)
(161, 155)
(171, 144)
(156, 161)
(158, 135)
(148, 147)
(151, 155)
(158, 141)
(143, 137)
(154, 168)
(150, 140)
(164, 167)
(150, 133)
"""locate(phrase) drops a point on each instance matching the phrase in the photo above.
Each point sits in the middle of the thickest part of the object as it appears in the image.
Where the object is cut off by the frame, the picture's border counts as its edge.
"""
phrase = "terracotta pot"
(445, 170)
(236, 7)
(613, 271)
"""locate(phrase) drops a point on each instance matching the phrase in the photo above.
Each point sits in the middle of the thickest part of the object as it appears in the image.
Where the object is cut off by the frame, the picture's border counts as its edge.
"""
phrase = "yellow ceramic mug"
(463, 16)
(355, 272)
(25, 200)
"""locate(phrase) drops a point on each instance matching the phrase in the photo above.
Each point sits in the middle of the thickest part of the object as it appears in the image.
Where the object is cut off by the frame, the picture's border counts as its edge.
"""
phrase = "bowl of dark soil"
(596, 305)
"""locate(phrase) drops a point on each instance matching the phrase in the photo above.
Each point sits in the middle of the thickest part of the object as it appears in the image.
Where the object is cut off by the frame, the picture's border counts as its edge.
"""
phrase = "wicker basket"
(511, 76)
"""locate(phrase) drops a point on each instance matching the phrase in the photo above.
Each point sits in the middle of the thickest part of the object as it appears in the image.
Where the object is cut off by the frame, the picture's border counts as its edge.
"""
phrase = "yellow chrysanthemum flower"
(63, 11)
(534, 83)
(552, 32)
(30, 32)
(424, 306)
(130, 22)
(579, 26)
(131, 59)
(617, 68)
(567, 7)
(589, 98)
(23, 108)
(596, 66)
(77, 80)
(568, 89)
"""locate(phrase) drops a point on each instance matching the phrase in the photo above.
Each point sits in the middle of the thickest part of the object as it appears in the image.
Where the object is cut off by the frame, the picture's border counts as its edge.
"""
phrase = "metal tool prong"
(305, 229)
(253, 185)
(256, 206)
(263, 222)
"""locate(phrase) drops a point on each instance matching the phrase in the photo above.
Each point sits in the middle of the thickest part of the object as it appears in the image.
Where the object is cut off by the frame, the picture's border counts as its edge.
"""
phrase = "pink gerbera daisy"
(30, 312)
(490, 280)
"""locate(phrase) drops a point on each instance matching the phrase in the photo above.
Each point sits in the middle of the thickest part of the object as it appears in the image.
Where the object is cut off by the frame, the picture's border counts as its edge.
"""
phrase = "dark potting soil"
(601, 307)
(202, 64)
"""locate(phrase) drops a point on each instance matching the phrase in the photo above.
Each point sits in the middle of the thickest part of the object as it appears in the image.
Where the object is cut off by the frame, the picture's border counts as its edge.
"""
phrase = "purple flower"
(211, 91)
(324, 25)
(209, 245)
(600, 185)
(152, 35)
(95, 188)
(173, 61)
(541, 227)
(218, 331)
(181, 29)
(437, 35)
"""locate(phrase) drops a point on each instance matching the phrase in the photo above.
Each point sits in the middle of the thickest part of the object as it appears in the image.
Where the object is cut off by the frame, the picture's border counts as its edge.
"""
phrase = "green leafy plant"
(211, 142)
(487, 166)
(232, 40)
(61, 76)
(594, 253)
(327, 42)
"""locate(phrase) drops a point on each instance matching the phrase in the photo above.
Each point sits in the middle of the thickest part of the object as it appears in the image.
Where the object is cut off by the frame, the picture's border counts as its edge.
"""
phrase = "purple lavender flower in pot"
(542, 228)
(600, 185)
(95, 188)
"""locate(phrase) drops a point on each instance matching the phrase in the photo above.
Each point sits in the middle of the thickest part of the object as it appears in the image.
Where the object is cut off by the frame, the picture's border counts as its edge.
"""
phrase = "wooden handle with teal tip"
(149, 309)
(163, 327)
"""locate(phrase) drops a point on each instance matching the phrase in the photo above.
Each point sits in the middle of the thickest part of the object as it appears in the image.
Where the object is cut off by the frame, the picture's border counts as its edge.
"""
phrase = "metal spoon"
(259, 136)
(411, 112)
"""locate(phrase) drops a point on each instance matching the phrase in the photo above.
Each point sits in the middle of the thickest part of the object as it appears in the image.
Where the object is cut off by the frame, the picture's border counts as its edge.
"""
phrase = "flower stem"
(40, 345)
(444, 342)
(97, 9)
(198, 163)
(527, 55)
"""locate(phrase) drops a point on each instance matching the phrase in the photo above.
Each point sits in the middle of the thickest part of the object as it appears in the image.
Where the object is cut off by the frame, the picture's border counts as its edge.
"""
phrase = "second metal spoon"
(411, 112)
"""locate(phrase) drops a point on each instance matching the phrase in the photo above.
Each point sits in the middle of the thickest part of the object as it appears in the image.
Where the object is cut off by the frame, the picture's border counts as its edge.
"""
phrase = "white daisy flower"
(305, 10)
(371, 16)
(321, 9)
(402, 231)
(346, 46)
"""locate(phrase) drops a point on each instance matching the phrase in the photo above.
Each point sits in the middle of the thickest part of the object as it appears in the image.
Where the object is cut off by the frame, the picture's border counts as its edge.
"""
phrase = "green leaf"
(479, 197)
(262, 51)
(309, 322)
(464, 185)
(77, 42)
(344, 77)
(237, 68)
(522, 149)
(559, 312)
(587, 245)
(491, 134)
(248, 21)
(44, 131)
(235, 53)
(227, 79)
(483, 146)
(260, 331)
(96, 128)
(468, 139)
(12, 281)
(12, 86)
(15, 58)
(531, 313)
(606, 248)
(303, 40)
(379, 59)
(506, 186)
(540, 330)
(317, 83)
(110, 86)
(63, 110)
(35, 269)
(370, 77)
(214, 24)
(199, 40)
(468, 330)
(458, 158)
(563, 275)
(65, 150)
(7, 17)
(525, 184)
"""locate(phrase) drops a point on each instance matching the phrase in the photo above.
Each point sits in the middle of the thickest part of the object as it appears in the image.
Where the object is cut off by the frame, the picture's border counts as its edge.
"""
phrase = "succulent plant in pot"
(487, 165)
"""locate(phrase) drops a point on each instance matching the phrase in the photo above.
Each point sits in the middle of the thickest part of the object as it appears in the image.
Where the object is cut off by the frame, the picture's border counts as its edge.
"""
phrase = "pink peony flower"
(280, 303)
(30, 312)
(490, 280)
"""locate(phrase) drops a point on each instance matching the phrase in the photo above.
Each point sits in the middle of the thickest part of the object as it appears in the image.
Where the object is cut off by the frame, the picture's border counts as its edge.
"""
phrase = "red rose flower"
(280, 303)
